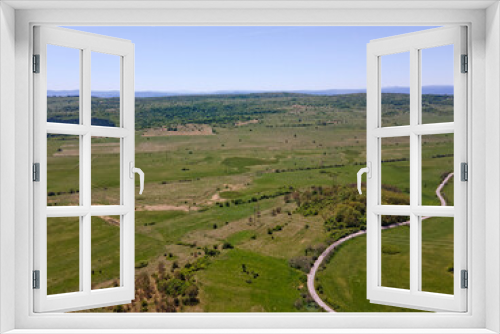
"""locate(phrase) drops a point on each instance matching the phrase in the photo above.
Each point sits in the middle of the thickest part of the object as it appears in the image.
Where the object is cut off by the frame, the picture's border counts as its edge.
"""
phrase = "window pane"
(437, 84)
(395, 85)
(437, 165)
(63, 84)
(395, 271)
(63, 170)
(106, 84)
(105, 252)
(105, 171)
(437, 254)
(63, 255)
(395, 171)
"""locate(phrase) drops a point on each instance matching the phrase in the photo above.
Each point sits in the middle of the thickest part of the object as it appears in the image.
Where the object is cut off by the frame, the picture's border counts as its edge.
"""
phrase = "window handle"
(368, 171)
(139, 171)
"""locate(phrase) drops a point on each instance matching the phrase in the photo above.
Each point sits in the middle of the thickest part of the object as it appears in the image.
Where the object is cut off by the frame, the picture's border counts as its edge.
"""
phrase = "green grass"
(436, 162)
(173, 230)
(63, 264)
(63, 170)
(241, 236)
(437, 255)
(240, 163)
(344, 278)
(105, 247)
(396, 257)
(226, 288)
(63, 236)
(230, 194)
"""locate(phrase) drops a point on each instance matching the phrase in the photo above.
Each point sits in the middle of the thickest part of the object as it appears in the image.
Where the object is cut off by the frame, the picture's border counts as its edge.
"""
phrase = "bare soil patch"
(253, 121)
(180, 130)
(166, 207)
(111, 220)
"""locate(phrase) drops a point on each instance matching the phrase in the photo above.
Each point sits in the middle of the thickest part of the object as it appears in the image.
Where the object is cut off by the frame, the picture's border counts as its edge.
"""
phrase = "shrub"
(298, 304)
(303, 263)
(173, 287)
(227, 245)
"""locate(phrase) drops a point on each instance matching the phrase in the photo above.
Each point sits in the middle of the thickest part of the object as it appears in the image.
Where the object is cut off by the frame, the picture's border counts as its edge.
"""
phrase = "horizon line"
(250, 90)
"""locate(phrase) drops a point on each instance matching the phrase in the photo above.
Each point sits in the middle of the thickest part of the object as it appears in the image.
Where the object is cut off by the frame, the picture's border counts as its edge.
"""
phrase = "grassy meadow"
(242, 193)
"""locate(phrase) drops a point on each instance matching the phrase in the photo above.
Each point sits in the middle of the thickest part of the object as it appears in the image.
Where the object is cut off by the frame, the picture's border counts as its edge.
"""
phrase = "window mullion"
(85, 236)
(415, 249)
(82, 184)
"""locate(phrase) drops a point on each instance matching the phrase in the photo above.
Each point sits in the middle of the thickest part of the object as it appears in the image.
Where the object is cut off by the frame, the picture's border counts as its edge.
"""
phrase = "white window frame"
(484, 48)
(86, 44)
(413, 44)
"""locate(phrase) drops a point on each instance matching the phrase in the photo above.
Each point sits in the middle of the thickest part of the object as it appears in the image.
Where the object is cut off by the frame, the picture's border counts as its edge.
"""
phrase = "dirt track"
(314, 269)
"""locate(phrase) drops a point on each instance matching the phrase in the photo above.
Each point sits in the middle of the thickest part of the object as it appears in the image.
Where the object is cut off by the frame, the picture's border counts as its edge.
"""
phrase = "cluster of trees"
(172, 290)
(343, 210)
(167, 290)
(224, 110)
(253, 199)
(66, 109)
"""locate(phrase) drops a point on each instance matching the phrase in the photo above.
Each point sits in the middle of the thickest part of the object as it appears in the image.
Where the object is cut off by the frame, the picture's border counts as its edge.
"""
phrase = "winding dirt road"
(321, 258)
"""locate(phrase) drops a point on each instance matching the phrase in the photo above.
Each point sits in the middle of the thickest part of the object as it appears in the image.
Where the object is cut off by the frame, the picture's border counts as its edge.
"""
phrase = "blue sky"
(204, 59)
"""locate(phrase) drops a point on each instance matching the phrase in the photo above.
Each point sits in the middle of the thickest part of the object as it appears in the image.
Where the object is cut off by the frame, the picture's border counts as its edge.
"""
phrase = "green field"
(242, 192)
(343, 279)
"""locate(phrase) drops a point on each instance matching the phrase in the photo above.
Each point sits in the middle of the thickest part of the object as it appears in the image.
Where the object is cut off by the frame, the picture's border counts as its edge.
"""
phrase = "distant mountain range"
(438, 90)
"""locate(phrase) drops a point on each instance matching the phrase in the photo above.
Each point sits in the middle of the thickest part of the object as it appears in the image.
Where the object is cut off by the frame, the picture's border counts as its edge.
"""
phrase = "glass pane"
(395, 85)
(63, 170)
(105, 252)
(437, 254)
(437, 165)
(63, 84)
(395, 271)
(437, 84)
(105, 171)
(395, 171)
(63, 255)
(105, 89)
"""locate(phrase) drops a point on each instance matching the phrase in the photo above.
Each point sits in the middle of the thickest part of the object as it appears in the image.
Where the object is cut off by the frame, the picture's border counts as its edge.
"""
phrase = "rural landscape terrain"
(243, 193)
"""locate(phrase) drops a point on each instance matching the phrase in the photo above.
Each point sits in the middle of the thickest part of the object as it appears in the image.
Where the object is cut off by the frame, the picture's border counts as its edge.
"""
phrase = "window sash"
(413, 43)
(85, 298)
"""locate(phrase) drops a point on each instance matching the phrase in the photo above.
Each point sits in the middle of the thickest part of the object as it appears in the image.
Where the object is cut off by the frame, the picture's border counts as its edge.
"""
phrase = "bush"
(118, 309)
(298, 304)
(173, 287)
(211, 252)
(303, 263)
(227, 245)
